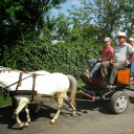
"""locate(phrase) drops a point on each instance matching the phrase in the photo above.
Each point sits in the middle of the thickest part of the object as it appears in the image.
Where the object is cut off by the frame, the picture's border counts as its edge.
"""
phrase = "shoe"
(108, 86)
(86, 75)
(103, 83)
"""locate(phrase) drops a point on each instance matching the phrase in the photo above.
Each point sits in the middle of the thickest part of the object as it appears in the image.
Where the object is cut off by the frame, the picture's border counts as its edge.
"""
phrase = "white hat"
(131, 39)
(107, 39)
(122, 34)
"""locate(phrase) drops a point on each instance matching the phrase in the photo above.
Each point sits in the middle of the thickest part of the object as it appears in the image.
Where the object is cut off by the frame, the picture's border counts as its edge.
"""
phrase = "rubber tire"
(113, 100)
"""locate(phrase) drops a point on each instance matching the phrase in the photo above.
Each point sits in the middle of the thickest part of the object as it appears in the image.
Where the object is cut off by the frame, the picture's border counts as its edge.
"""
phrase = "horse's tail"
(73, 87)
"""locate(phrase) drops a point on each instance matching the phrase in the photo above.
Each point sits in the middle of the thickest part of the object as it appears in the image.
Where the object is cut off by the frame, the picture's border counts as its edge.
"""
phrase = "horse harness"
(32, 92)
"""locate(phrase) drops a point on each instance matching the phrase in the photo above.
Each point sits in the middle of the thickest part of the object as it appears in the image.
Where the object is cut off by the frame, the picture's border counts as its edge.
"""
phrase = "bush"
(67, 58)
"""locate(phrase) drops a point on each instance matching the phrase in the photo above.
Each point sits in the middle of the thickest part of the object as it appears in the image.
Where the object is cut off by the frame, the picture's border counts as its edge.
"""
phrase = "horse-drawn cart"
(34, 86)
(119, 99)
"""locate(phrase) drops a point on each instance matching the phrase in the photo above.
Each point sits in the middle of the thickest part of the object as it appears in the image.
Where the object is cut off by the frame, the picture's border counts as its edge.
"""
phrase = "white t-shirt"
(122, 53)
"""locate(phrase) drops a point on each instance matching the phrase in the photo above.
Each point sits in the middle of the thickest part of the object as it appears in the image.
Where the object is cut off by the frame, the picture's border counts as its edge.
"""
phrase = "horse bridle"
(6, 93)
(2, 90)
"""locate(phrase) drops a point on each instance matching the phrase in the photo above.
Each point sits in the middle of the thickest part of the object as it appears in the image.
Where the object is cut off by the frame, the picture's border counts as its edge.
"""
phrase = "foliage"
(26, 31)
(3, 102)
(128, 16)
(82, 15)
(62, 27)
(67, 58)
(23, 17)
(108, 13)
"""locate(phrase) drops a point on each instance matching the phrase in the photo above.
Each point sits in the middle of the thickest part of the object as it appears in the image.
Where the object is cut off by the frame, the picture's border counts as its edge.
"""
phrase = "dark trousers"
(115, 68)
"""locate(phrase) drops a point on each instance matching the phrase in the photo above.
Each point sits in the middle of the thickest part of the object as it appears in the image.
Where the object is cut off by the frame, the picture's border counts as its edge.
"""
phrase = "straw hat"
(122, 34)
(131, 39)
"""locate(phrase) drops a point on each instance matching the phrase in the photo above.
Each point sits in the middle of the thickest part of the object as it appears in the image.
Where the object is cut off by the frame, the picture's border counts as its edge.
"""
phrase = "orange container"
(123, 76)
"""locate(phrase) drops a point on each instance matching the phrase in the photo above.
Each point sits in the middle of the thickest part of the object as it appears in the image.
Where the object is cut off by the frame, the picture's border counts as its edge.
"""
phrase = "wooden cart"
(119, 99)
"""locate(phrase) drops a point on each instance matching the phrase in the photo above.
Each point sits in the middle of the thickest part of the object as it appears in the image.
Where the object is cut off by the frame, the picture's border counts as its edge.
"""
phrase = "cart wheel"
(119, 102)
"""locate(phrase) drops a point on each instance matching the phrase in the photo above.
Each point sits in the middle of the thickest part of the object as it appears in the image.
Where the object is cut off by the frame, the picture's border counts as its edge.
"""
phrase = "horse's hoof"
(29, 121)
(73, 113)
(51, 122)
(24, 125)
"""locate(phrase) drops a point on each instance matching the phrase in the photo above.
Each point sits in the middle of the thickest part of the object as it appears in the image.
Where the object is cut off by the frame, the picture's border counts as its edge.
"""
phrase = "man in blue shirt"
(131, 42)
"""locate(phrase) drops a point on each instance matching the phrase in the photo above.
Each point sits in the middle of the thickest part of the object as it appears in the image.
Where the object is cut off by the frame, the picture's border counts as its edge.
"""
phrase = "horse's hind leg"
(27, 114)
(60, 107)
(68, 100)
(21, 105)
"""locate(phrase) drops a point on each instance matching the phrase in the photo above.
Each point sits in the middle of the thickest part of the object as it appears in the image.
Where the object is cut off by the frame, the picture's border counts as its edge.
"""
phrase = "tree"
(23, 20)
(19, 14)
(128, 16)
(108, 15)
(81, 15)
(62, 27)
(84, 29)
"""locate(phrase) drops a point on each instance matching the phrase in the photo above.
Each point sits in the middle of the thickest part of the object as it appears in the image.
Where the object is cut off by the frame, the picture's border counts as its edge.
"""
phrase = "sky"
(64, 7)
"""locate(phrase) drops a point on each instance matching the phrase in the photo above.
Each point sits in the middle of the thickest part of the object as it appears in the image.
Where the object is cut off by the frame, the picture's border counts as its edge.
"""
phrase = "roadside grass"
(5, 102)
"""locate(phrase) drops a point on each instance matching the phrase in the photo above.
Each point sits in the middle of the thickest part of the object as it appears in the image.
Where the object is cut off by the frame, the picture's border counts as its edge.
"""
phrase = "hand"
(127, 61)
(111, 61)
(99, 59)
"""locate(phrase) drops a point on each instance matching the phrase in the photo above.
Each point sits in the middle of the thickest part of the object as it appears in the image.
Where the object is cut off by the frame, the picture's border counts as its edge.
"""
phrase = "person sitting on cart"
(131, 42)
(107, 53)
(123, 55)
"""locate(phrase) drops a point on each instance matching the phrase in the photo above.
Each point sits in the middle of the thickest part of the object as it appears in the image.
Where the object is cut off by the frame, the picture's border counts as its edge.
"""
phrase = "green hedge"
(67, 58)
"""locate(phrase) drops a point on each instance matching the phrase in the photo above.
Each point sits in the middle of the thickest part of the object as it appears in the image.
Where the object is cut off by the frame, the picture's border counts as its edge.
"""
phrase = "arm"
(100, 58)
(110, 56)
(131, 57)
(131, 52)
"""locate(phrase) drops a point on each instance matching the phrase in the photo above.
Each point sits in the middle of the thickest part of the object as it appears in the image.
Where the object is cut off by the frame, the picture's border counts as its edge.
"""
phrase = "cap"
(107, 39)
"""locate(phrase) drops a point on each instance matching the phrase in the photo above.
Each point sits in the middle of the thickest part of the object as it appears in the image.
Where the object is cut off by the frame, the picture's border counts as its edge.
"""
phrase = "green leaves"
(70, 58)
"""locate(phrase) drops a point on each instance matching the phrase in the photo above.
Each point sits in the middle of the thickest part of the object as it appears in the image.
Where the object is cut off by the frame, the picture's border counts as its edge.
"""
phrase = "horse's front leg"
(60, 107)
(21, 105)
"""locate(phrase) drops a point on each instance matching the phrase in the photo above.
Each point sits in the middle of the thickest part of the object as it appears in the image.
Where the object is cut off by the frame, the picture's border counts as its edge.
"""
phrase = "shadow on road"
(7, 112)
(131, 98)
(83, 107)
(99, 105)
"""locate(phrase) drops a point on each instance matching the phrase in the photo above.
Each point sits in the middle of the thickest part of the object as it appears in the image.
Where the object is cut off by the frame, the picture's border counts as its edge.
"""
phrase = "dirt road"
(91, 118)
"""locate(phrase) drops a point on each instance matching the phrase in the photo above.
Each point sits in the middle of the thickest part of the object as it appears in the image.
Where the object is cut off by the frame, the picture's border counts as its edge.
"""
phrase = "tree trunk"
(21, 34)
(130, 30)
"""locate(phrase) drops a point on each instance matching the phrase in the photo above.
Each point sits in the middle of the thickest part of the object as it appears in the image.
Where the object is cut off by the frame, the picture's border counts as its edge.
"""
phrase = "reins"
(17, 82)
(32, 92)
(6, 93)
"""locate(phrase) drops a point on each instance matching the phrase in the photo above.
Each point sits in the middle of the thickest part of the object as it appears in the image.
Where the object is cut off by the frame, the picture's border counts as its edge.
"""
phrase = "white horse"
(55, 84)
